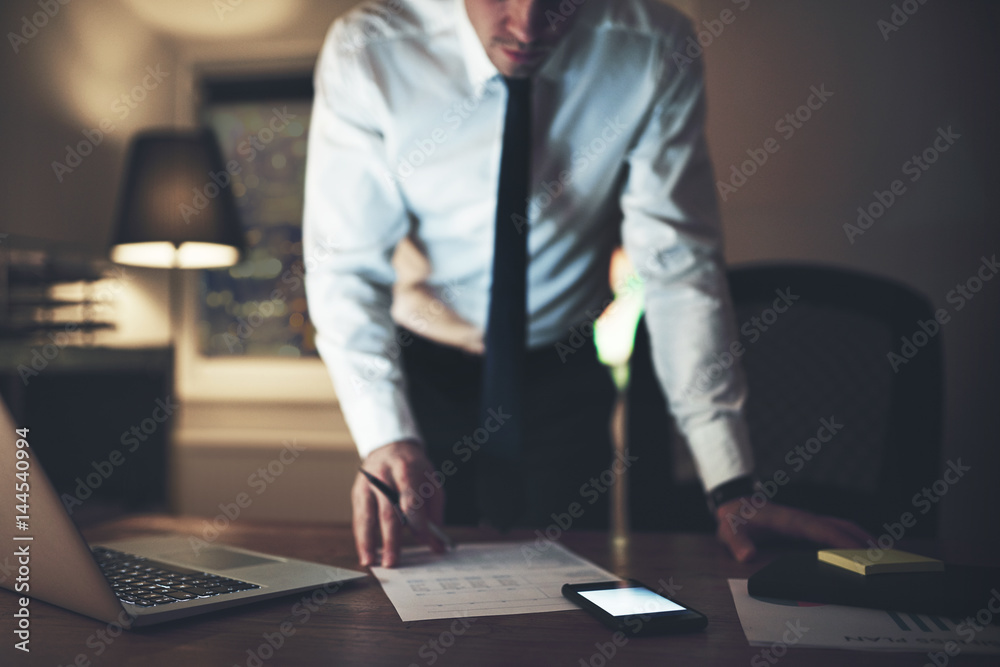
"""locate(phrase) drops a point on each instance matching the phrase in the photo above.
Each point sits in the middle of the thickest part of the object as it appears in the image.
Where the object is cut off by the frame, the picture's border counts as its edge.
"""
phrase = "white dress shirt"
(405, 139)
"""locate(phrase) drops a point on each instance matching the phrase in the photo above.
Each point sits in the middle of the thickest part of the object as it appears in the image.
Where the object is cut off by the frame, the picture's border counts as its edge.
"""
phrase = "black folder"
(957, 592)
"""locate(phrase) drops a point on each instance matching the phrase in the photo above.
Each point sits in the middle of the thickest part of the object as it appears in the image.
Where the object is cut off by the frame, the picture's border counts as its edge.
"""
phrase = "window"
(258, 307)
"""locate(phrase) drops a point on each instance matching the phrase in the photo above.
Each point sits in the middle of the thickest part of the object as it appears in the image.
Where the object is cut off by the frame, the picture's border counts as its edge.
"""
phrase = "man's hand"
(400, 465)
(741, 534)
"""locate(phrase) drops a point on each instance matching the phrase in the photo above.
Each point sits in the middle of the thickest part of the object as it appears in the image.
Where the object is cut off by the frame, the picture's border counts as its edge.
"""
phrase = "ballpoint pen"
(393, 496)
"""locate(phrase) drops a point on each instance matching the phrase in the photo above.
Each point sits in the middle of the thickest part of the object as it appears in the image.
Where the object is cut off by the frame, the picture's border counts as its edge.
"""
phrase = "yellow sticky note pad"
(889, 561)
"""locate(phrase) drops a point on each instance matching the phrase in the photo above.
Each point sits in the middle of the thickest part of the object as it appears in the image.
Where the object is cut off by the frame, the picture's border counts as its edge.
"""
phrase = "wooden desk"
(359, 626)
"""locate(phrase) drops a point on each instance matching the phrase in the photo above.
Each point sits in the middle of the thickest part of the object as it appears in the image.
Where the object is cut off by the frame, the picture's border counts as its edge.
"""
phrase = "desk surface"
(359, 626)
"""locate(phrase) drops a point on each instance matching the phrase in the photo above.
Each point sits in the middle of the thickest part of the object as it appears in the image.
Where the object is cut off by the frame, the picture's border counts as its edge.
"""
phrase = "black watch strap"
(734, 488)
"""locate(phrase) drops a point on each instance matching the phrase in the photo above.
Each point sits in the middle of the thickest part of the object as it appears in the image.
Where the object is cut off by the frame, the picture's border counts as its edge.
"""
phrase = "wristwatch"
(731, 490)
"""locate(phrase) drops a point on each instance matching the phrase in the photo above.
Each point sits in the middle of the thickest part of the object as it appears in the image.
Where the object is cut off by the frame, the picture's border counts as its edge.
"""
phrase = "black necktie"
(500, 483)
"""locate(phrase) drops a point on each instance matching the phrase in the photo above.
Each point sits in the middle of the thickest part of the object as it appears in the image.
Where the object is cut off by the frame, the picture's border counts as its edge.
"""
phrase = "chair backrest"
(837, 400)
(856, 431)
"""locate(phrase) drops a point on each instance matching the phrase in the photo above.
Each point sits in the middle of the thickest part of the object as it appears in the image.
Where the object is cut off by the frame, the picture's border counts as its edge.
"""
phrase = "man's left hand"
(742, 535)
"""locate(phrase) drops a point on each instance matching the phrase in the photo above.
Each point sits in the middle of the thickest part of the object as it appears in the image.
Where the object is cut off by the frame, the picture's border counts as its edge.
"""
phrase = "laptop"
(134, 582)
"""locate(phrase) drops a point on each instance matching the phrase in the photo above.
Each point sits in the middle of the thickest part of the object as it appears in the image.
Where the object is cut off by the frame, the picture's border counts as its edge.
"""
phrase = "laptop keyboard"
(146, 583)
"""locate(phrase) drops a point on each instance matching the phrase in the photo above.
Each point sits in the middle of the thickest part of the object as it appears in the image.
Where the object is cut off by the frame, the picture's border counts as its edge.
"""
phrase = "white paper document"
(778, 623)
(487, 579)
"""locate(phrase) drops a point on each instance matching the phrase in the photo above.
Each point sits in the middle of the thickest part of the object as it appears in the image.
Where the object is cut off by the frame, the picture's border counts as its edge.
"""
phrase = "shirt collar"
(478, 65)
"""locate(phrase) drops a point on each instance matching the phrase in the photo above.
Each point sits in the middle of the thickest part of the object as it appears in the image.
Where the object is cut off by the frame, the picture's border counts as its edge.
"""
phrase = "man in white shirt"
(405, 142)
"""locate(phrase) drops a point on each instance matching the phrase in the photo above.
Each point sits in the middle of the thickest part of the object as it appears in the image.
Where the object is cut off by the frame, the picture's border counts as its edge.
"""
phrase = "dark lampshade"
(176, 207)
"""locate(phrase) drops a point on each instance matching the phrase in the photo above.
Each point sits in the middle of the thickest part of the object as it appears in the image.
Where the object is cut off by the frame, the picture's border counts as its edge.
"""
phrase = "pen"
(393, 496)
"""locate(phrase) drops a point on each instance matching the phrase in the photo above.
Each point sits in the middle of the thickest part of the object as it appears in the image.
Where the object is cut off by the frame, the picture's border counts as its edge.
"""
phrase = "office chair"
(821, 364)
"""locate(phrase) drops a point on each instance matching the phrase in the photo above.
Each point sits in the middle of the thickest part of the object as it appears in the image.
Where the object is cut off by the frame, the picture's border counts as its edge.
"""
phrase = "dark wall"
(894, 93)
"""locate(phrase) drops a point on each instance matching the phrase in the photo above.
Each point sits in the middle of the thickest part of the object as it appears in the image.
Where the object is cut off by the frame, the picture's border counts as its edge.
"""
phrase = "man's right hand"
(403, 466)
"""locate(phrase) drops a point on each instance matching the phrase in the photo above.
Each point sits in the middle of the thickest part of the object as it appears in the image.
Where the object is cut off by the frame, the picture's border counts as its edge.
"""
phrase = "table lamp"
(176, 208)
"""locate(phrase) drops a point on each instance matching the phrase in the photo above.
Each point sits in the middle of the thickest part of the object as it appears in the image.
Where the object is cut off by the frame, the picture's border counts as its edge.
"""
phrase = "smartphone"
(634, 609)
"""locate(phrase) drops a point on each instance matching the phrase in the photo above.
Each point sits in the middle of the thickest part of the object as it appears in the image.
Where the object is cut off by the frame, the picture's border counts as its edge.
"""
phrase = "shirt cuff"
(721, 450)
(378, 419)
